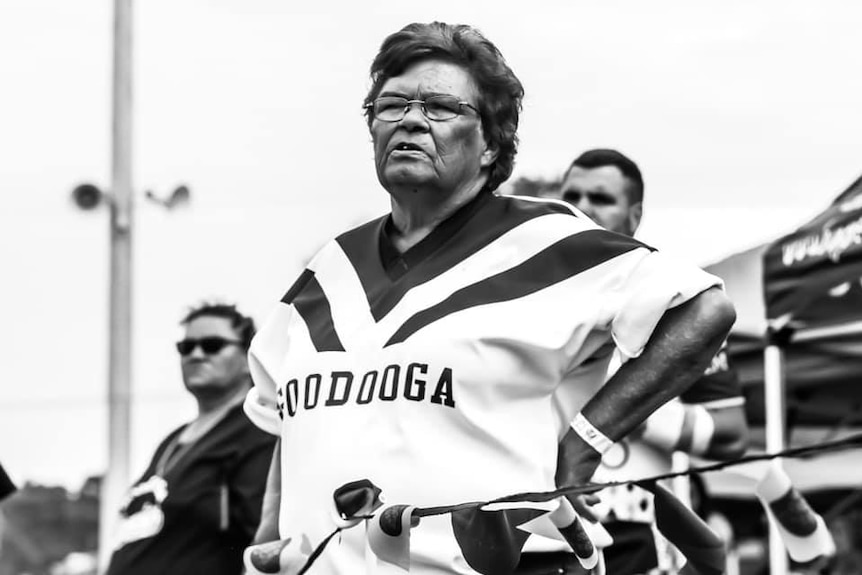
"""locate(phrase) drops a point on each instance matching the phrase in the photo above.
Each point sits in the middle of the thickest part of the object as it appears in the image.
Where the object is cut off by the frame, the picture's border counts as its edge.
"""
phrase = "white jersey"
(434, 373)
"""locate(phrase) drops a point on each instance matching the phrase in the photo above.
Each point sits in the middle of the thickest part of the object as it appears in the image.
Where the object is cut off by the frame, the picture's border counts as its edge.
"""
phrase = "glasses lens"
(186, 346)
(390, 108)
(442, 107)
(211, 345)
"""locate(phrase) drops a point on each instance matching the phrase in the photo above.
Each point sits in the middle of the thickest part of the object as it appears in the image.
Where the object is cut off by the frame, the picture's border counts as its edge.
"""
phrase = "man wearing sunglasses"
(198, 503)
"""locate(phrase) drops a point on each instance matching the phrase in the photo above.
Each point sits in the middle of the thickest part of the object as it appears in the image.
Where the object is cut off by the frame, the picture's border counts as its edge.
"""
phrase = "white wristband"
(588, 432)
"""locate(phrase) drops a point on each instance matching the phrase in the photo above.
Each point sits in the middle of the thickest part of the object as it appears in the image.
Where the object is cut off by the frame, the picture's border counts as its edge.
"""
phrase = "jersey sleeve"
(719, 386)
(268, 348)
(655, 284)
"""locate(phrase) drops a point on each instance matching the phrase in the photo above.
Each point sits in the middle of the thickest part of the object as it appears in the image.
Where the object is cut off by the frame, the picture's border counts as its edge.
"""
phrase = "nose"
(196, 353)
(414, 117)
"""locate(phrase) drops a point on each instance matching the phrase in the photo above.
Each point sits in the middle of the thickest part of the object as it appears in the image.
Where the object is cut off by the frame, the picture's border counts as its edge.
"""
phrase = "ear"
(635, 215)
(489, 156)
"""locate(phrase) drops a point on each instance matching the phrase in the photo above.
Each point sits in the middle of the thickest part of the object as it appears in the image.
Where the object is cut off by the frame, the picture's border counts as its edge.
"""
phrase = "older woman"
(441, 351)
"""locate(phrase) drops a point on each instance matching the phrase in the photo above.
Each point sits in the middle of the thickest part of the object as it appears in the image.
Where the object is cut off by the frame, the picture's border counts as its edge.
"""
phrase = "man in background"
(708, 420)
(196, 507)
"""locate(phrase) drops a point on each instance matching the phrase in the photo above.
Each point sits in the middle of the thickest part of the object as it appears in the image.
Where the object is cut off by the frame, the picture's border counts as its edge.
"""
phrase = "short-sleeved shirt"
(434, 373)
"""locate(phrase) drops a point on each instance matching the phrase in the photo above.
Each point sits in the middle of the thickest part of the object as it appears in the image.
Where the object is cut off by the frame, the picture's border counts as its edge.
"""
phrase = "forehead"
(428, 77)
(608, 179)
(207, 325)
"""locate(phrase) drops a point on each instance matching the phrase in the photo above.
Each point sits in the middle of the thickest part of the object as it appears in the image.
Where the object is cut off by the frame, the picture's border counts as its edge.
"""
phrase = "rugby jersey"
(448, 373)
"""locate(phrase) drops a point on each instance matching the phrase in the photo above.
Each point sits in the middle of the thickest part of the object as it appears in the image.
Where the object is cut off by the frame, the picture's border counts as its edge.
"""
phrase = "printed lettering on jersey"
(414, 381)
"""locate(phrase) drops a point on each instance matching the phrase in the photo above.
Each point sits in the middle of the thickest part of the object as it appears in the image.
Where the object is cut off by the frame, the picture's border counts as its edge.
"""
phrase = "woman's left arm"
(677, 353)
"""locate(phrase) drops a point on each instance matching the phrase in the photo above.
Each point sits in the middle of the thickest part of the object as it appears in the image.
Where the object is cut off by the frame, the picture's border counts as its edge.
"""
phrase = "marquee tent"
(798, 339)
(802, 294)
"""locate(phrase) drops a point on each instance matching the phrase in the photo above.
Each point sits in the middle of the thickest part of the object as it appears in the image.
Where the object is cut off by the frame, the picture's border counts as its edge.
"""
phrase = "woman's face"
(416, 153)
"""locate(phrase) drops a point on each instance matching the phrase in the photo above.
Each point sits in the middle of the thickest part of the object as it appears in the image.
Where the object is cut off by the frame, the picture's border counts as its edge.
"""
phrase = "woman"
(441, 351)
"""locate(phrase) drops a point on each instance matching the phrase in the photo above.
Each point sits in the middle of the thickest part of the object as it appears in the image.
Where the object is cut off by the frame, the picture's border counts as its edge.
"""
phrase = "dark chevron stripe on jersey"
(559, 261)
(308, 298)
(462, 235)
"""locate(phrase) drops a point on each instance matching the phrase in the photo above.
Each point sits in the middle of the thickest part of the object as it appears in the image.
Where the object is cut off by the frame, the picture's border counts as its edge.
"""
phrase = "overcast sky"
(745, 118)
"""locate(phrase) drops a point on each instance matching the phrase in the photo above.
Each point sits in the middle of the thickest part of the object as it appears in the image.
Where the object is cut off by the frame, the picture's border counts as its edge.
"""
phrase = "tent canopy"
(808, 281)
(811, 277)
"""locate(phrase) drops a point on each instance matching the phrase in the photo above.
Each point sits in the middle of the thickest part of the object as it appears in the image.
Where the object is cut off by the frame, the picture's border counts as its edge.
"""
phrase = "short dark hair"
(601, 157)
(242, 324)
(500, 91)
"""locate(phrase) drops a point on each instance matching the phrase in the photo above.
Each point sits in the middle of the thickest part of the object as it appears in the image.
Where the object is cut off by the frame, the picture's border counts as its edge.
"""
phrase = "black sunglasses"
(209, 345)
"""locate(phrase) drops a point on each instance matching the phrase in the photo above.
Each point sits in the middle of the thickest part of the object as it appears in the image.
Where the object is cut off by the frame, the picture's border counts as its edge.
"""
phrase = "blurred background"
(744, 118)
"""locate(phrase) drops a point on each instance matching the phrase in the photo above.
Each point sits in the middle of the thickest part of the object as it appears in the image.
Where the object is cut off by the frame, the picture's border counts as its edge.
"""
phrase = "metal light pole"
(776, 409)
(116, 479)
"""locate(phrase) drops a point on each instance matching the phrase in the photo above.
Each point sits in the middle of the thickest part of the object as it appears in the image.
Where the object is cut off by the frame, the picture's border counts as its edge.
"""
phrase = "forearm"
(681, 347)
(268, 528)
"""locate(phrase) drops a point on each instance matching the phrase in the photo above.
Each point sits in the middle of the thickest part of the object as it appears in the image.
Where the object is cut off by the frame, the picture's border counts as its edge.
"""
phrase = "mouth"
(407, 147)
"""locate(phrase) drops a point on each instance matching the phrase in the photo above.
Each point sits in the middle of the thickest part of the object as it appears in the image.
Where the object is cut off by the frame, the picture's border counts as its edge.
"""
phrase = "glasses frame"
(408, 103)
(204, 343)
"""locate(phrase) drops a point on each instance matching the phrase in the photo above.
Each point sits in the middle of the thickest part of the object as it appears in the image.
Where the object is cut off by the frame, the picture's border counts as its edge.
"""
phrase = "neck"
(215, 404)
(416, 212)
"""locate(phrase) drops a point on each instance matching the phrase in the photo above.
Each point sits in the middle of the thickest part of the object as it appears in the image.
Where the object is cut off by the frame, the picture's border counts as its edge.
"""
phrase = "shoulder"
(244, 431)
(169, 438)
(364, 235)
(552, 240)
(552, 214)
(361, 241)
(511, 211)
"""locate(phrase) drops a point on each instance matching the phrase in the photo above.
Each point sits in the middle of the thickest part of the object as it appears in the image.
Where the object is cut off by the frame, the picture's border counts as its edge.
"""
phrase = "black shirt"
(208, 498)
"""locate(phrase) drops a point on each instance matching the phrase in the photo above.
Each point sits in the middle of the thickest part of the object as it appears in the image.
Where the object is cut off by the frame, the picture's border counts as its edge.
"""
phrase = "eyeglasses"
(436, 108)
(209, 345)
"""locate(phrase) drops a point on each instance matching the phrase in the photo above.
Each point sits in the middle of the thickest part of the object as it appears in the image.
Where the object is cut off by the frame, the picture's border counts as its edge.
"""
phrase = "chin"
(401, 178)
(193, 385)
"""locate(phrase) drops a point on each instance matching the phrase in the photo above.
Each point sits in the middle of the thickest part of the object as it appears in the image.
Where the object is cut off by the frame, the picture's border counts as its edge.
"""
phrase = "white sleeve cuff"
(658, 284)
(263, 416)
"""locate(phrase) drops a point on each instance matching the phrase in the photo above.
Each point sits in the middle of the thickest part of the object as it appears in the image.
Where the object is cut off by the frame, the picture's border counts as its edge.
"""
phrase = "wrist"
(591, 435)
